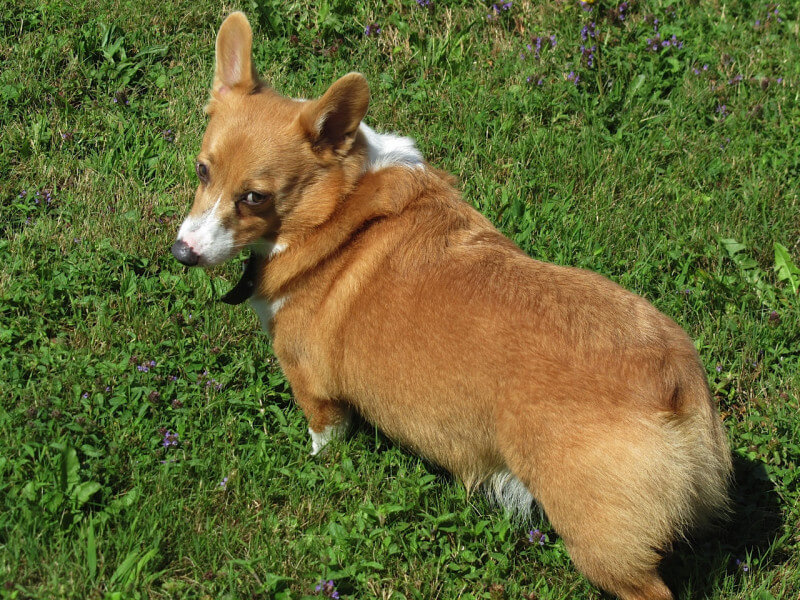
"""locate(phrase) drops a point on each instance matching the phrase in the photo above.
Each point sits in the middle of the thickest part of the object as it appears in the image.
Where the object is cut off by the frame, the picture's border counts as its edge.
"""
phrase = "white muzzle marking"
(207, 237)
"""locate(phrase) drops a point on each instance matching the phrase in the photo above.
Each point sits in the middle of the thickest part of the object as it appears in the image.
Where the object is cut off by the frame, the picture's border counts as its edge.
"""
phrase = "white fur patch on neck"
(388, 150)
(267, 309)
(277, 249)
(509, 492)
(267, 248)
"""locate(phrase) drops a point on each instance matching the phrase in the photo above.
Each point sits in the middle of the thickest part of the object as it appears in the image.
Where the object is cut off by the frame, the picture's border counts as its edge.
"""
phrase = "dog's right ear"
(234, 69)
(331, 122)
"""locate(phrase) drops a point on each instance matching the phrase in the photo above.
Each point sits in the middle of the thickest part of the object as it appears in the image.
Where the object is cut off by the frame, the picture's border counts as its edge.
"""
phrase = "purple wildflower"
(536, 537)
(743, 566)
(224, 483)
(327, 588)
(719, 368)
(371, 30)
(424, 3)
(589, 54)
(656, 43)
(573, 77)
(170, 439)
(553, 41)
(85, 395)
(588, 31)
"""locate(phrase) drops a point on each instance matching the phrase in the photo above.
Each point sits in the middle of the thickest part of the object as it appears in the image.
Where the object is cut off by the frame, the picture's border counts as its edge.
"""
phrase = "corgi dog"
(389, 297)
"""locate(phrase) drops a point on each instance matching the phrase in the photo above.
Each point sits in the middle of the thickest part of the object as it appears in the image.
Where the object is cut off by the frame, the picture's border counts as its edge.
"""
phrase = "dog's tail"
(621, 490)
(696, 439)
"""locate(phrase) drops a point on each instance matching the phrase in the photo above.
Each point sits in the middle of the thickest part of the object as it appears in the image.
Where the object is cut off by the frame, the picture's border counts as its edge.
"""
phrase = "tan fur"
(405, 304)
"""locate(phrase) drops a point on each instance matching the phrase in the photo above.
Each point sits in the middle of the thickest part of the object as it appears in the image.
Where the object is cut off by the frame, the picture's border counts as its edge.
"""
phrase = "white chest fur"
(266, 310)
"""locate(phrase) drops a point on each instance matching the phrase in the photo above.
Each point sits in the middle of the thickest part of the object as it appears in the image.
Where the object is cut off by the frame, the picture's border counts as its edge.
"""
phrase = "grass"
(676, 180)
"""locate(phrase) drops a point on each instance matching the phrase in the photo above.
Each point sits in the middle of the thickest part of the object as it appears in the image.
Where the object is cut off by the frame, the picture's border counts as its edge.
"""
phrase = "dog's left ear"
(234, 61)
(331, 122)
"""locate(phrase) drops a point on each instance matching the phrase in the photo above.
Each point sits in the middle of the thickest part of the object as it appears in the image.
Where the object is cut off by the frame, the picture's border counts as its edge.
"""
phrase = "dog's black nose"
(184, 254)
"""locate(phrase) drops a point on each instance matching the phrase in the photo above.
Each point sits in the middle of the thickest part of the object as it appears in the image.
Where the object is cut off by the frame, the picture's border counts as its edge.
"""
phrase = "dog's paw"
(320, 440)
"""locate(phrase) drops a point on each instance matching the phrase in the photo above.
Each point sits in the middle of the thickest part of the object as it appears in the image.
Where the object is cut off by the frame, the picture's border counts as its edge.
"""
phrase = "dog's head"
(268, 165)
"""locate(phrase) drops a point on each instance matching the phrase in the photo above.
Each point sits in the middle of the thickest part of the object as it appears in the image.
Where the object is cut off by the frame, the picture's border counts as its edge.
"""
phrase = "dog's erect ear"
(234, 68)
(332, 121)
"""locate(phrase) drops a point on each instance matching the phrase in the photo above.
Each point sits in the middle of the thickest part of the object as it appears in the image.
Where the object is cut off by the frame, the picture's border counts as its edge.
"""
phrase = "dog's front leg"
(327, 419)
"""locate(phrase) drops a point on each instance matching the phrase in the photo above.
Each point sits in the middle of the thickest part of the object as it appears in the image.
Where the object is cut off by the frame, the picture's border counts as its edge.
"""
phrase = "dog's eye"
(253, 198)
(202, 171)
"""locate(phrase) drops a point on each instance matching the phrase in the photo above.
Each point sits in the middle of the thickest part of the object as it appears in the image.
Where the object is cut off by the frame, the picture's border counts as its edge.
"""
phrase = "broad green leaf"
(786, 269)
(69, 468)
(84, 491)
(732, 246)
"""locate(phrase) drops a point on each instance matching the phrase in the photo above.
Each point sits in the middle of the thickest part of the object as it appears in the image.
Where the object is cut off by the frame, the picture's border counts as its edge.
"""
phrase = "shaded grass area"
(673, 171)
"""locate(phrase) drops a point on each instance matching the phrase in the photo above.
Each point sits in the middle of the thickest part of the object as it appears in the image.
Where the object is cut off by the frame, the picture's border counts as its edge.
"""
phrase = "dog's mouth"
(247, 283)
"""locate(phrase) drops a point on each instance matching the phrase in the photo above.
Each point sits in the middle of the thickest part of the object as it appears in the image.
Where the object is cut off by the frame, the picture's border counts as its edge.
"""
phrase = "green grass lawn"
(670, 166)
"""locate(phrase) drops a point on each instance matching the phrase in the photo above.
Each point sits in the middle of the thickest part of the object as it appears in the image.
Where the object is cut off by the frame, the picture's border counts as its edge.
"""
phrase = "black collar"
(247, 284)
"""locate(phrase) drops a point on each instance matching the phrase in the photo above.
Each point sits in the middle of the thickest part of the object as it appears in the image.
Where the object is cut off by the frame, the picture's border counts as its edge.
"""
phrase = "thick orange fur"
(402, 302)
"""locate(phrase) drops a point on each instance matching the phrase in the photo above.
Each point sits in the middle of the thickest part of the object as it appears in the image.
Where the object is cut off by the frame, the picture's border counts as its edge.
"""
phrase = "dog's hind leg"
(614, 493)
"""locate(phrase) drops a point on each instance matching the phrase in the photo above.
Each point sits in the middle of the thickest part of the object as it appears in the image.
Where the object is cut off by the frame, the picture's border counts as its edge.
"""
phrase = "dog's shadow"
(695, 568)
